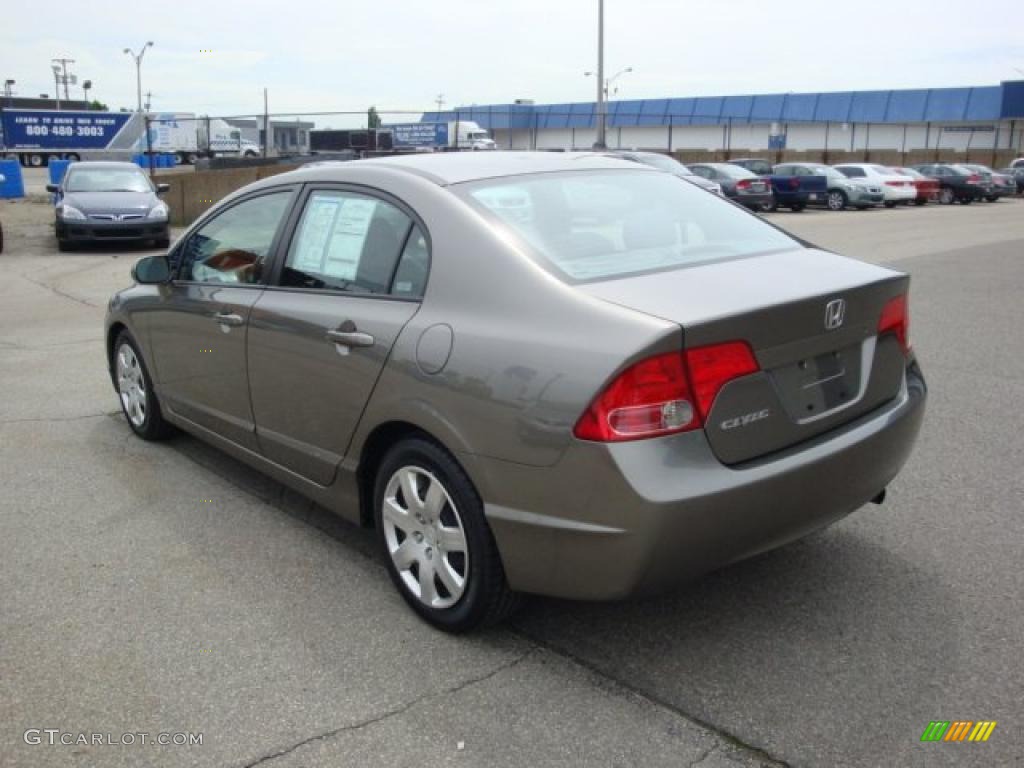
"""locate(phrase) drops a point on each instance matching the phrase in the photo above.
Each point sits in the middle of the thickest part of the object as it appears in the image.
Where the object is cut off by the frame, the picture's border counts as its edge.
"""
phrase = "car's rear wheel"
(135, 390)
(946, 196)
(836, 200)
(438, 547)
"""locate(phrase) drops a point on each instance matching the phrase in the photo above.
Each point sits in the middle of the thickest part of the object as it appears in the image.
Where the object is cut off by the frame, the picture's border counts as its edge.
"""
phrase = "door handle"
(228, 318)
(350, 338)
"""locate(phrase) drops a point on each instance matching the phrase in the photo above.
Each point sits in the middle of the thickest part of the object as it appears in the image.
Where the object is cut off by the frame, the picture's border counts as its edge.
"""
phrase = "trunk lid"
(813, 378)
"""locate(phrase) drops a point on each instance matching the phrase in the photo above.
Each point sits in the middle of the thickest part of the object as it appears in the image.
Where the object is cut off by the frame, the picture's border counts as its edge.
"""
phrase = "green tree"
(97, 106)
(372, 118)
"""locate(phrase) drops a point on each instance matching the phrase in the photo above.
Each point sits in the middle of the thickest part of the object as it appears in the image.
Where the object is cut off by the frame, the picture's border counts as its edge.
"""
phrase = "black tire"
(798, 207)
(992, 198)
(64, 245)
(153, 426)
(920, 202)
(36, 160)
(890, 203)
(191, 158)
(486, 599)
(966, 200)
(836, 200)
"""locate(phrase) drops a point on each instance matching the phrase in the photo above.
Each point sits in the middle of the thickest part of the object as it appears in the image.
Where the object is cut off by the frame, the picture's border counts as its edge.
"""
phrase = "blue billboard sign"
(28, 129)
(420, 134)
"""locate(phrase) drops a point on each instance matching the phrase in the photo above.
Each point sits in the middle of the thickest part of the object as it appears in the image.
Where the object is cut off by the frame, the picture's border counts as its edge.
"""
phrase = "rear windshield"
(735, 171)
(664, 162)
(586, 226)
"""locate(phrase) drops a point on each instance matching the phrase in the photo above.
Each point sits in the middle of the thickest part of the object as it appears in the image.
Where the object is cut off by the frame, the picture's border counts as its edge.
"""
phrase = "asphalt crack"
(394, 712)
(766, 758)
(62, 294)
(41, 419)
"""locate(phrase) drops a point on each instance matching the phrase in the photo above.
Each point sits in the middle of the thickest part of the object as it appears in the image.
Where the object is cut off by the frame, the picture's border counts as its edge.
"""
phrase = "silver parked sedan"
(531, 373)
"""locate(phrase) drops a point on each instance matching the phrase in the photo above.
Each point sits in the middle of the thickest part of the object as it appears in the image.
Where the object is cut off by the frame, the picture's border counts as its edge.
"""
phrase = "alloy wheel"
(836, 201)
(425, 538)
(131, 385)
(946, 196)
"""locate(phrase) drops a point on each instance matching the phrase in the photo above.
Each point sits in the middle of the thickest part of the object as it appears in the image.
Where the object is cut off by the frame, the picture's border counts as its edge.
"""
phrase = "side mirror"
(53, 188)
(152, 270)
(161, 188)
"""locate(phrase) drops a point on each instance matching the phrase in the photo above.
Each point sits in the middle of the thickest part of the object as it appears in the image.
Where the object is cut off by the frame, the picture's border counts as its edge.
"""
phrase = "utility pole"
(602, 113)
(149, 99)
(439, 100)
(60, 71)
(56, 84)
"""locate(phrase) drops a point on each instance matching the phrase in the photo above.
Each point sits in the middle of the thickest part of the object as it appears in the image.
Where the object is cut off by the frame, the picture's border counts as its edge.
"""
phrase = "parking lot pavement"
(165, 587)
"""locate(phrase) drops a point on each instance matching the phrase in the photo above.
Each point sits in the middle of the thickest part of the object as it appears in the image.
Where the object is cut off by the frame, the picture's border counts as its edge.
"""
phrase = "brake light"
(743, 184)
(665, 394)
(896, 319)
(712, 367)
(648, 399)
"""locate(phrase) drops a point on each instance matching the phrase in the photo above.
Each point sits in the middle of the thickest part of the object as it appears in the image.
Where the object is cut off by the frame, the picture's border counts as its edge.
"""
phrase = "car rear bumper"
(755, 200)
(96, 232)
(899, 194)
(610, 521)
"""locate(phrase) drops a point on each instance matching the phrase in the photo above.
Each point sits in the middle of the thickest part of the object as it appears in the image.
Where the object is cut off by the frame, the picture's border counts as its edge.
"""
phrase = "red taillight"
(712, 367)
(975, 179)
(648, 399)
(665, 394)
(896, 319)
(743, 184)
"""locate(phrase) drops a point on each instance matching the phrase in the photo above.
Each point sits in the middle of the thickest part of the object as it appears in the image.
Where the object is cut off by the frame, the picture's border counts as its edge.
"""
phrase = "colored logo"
(958, 730)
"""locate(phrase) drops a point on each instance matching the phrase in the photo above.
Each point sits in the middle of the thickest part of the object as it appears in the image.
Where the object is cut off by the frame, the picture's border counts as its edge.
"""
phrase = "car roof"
(446, 168)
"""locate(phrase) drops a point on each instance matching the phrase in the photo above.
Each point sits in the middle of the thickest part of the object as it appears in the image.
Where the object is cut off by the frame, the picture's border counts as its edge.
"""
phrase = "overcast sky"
(340, 54)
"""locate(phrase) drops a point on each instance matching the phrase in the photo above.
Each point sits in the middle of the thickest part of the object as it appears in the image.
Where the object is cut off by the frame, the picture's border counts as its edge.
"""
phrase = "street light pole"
(138, 69)
(602, 113)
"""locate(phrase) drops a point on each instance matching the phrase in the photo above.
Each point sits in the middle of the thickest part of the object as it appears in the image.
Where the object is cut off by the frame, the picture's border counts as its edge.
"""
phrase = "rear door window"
(347, 241)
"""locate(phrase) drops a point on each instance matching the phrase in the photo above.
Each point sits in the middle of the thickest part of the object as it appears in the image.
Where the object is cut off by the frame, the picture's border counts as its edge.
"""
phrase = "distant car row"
(862, 185)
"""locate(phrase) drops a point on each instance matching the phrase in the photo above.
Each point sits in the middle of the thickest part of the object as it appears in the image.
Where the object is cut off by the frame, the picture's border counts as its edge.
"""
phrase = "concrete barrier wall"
(191, 194)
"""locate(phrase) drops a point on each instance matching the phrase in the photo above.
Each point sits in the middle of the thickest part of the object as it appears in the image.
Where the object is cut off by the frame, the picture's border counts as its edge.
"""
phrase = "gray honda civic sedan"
(529, 372)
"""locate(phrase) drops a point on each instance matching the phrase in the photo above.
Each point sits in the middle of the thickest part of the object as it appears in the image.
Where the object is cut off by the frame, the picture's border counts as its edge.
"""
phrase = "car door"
(198, 327)
(350, 279)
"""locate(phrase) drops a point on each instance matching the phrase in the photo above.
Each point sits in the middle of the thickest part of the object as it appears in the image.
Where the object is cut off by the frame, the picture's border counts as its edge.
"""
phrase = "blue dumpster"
(57, 170)
(13, 184)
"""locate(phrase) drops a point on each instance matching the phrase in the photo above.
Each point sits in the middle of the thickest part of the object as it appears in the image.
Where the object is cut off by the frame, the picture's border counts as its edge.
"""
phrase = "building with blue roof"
(958, 119)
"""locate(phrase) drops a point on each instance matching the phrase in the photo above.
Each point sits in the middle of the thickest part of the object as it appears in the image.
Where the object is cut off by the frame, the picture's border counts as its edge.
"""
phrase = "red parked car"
(927, 189)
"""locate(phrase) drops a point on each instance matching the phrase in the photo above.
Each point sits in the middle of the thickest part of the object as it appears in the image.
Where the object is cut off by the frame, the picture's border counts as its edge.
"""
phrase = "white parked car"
(896, 187)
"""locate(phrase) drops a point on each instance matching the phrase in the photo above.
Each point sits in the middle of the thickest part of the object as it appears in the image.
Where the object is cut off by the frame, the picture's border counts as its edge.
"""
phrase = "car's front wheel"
(836, 200)
(946, 196)
(438, 548)
(135, 390)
